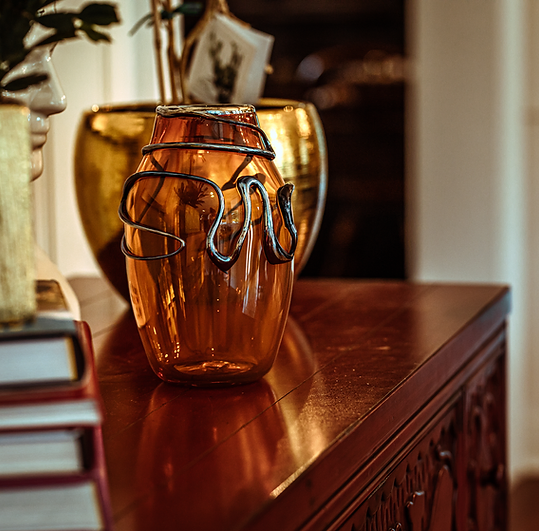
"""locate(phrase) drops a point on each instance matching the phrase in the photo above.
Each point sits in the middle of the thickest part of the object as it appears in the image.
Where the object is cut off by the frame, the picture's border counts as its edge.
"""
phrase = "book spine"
(101, 478)
(93, 450)
(85, 387)
(96, 474)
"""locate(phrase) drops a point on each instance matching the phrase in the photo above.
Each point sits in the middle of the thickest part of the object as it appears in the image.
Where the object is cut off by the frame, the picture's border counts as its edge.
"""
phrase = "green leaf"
(18, 16)
(140, 23)
(93, 34)
(57, 37)
(100, 14)
(25, 82)
(61, 21)
(189, 8)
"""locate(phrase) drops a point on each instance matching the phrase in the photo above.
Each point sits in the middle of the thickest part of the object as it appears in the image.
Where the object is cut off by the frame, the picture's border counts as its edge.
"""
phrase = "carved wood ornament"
(419, 495)
(454, 479)
(485, 434)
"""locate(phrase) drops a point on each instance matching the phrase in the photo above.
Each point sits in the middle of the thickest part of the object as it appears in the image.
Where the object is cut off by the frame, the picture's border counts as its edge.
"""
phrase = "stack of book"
(52, 469)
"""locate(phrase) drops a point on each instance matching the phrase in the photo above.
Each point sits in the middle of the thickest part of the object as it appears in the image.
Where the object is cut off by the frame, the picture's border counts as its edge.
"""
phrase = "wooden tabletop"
(270, 455)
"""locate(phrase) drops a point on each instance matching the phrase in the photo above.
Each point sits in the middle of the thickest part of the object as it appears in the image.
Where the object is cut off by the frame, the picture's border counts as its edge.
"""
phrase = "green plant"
(162, 17)
(187, 8)
(18, 17)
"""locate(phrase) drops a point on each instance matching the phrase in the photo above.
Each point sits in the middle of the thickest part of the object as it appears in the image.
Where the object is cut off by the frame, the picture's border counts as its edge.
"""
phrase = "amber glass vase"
(209, 241)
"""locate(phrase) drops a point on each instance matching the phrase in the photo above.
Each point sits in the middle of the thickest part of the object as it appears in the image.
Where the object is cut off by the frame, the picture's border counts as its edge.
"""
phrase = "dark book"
(52, 467)
(45, 350)
(75, 501)
(42, 452)
(64, 405)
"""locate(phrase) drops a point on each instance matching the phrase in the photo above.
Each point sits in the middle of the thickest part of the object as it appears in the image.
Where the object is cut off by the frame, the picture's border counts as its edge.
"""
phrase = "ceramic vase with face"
(24, 124)
(209, 241)
(43, 100)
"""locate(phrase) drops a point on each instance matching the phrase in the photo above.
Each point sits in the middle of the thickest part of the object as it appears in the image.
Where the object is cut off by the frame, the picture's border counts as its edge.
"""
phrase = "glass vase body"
(210, 303)
(107, 149)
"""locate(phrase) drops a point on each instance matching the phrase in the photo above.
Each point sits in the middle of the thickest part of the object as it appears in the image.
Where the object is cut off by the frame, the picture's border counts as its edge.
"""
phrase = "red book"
(45, 350)
(52, 466)
(78, 501)
(72, 403)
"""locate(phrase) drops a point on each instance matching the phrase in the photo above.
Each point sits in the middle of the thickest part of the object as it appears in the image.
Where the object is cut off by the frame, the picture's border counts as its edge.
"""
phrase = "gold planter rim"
(151, 106)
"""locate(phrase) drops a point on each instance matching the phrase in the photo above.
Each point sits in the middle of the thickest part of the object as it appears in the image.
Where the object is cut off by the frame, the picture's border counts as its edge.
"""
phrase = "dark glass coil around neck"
(235, 125)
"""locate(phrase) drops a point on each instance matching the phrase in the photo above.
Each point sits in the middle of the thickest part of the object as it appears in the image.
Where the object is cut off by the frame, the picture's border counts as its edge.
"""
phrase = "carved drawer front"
(420, 492)
(485, 441)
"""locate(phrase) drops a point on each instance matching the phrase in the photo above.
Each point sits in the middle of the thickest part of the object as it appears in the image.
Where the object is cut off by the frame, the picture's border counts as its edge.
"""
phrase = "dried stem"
(222, 6)
(157, 44)
(171, 53)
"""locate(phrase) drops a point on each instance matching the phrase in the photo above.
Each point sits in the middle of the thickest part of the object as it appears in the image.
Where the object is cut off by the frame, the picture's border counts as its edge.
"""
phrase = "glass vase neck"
(209, 124)
(238, 113)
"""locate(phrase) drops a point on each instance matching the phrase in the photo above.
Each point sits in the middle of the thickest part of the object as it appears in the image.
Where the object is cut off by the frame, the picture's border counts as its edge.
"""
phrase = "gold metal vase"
(108, 148)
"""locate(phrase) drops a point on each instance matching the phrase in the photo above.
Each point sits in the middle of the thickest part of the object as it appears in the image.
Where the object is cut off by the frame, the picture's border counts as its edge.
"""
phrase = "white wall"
(90, 74)
(532, 142)
(470, 208)
(472, 190)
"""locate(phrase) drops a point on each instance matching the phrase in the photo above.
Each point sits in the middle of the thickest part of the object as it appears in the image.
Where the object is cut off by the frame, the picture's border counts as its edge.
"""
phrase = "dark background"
(346, 57)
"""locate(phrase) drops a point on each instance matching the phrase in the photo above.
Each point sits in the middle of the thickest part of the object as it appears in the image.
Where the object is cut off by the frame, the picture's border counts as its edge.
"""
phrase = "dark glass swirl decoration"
(209, 242)
(275, 253)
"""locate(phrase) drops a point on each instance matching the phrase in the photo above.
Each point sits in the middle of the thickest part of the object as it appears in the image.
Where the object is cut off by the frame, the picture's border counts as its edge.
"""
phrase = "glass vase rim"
(226, 109)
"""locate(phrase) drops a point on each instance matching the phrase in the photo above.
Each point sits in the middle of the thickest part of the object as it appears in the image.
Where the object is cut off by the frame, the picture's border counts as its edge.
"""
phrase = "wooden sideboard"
(385, 410)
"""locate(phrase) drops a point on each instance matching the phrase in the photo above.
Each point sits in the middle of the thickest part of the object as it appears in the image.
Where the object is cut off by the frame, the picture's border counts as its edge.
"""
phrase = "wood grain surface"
(358, 362)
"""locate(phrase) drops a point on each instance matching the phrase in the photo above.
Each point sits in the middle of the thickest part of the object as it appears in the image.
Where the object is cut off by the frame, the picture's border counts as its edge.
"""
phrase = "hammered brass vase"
(297, 137)
(108, 149)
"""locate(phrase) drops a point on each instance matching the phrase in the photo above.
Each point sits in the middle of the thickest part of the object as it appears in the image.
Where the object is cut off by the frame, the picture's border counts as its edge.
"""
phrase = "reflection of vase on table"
(209, 243)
